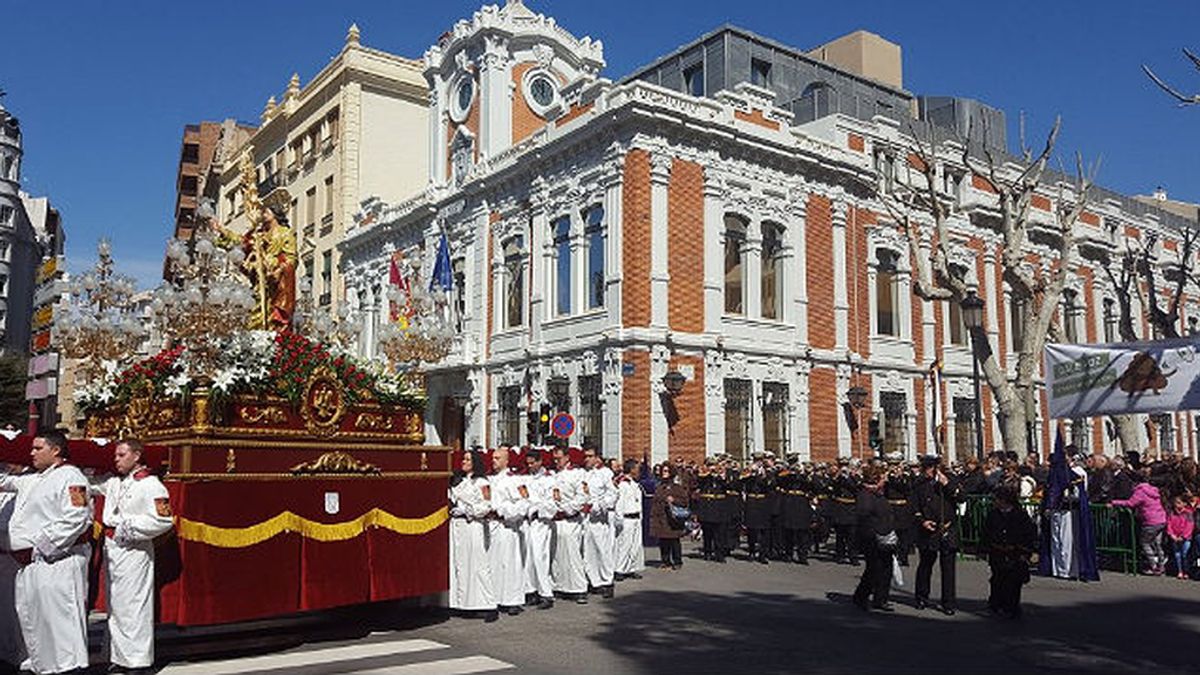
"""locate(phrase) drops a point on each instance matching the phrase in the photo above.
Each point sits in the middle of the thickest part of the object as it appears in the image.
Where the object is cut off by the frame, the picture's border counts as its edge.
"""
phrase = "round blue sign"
(562, 425)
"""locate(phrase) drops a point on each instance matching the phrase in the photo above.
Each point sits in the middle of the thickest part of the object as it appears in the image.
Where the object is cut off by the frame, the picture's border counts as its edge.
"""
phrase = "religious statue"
(270, 248)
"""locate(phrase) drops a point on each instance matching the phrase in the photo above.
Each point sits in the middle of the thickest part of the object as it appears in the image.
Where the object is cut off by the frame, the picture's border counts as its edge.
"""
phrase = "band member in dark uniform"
(936, 497)
(898, 492)
(822, 490)
(845, 493)
(711, 510)
(734, 508)
(796, 514)
(759, 491)
(877, 537)
(1009, 538)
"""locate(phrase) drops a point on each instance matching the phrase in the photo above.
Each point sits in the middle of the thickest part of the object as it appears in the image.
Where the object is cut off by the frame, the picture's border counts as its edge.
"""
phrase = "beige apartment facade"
(358, 130)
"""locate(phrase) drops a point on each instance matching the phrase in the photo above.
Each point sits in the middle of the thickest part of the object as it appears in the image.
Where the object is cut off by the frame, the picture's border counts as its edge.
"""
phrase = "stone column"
(714, 268)
(660, 278)
(714, 403)
(613, 183)
(660, 357)
(845, 438)
(752, 264)
(841, 301)
(801, 440)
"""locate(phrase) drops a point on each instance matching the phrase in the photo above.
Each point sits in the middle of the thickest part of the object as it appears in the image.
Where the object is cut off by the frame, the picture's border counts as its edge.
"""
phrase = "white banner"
(1134, 377)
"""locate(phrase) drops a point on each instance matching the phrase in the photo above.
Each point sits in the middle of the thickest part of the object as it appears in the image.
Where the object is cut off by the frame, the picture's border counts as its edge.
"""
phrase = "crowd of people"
(46, 529)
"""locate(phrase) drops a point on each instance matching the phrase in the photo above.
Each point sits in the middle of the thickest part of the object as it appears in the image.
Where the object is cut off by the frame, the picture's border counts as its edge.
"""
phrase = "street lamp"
(673, 382)
(857, 396)
(972, 316)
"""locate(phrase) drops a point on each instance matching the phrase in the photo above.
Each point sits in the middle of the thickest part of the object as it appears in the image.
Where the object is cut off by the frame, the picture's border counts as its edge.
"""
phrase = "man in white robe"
(471, 587)
(630, 555)
(539, 533)
(137, 510)
(49, 536)
(600, 498)
(570, 577)
(510, 503)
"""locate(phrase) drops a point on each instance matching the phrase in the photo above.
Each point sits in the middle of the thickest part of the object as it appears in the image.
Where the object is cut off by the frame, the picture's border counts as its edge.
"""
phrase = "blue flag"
(443, 275)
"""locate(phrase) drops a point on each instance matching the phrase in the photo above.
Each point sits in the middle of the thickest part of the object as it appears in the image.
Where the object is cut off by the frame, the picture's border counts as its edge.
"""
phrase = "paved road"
(745, 617)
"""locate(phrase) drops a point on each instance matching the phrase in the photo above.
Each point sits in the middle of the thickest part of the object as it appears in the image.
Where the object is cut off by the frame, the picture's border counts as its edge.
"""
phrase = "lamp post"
(856, 396)
(972, 314)
(673, 382)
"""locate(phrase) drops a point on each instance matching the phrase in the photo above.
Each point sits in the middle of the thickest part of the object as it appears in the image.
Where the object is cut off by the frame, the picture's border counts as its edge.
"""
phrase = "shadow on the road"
(698, 632)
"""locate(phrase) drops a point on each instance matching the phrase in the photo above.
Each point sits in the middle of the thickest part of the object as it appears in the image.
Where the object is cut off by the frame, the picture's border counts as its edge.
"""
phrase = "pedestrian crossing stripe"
(256, 664)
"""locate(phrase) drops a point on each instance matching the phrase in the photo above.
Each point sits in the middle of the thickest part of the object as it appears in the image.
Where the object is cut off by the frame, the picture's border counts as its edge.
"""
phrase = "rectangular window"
(514, 290)
(460, 291)
(327, 271)
(189, 185)
(596, 237)
(760, 73)
(331, 123)
(735, 240)
(509, 418)
(1080, 436)
(737, 419)
(887, 295)
(4, 251)
(558, 393)
(309, 272)
(4, 284)
(775, 418)
(562, 265)
(310, 206)
(693, 80)
(591, 412)
(1110, 320)
(6, 216)
(1165, 425)
(964, 427)
(329, 197)
(772, 272)
(895, 426)
(1070, 312)
(191, 153)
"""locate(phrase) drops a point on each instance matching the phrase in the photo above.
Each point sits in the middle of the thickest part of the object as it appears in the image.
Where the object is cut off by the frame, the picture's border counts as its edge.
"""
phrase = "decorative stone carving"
(589, 363)
(735, 365)
(544, 54)
(714, 362)
(660, 358)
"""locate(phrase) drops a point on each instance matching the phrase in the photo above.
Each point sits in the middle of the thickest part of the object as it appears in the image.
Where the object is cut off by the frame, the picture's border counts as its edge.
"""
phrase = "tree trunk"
(1128, 432)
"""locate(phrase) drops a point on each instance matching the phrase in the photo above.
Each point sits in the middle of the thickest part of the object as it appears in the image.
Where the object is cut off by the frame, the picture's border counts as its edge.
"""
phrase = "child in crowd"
(1180, 527)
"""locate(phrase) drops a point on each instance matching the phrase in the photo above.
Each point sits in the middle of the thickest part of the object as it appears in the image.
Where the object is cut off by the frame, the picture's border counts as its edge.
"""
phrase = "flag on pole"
(399, 312)
(443, 275)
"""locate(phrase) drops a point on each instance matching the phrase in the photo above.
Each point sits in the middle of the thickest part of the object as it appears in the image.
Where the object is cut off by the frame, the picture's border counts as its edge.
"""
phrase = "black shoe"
(545, 603)
(606, 592)
(802, 561)
(720, 559)
(491, 617)
(514, 610)
(633, 575)
(921, 603)
(532, 600)
(885, 607)
(764, 561)
(948, 611)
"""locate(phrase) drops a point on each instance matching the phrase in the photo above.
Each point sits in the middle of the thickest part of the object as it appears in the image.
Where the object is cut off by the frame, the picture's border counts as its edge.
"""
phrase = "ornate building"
(611, 241)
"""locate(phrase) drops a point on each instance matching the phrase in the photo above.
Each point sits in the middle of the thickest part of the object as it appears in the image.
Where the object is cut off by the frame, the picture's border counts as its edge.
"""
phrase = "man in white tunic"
(631, 556)
(600, 496)
(471, 587)
(137, 509)
(510, 505)
(48, 534)
(539, 533)
(570, 578)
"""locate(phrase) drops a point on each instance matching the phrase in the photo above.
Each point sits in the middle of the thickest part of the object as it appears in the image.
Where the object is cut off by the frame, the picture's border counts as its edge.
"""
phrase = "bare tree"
(924, 212)
(1184, 99)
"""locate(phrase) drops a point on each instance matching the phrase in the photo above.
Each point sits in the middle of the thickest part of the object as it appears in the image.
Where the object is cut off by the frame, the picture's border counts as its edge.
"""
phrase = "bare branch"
(1182, 98)
(1192, 57)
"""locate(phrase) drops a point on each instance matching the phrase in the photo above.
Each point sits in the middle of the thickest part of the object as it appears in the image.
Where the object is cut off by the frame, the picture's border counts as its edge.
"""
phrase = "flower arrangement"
(259, 362)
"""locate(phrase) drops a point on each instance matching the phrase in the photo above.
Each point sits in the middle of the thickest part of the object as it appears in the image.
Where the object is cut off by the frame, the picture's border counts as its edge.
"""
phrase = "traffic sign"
(563, 425)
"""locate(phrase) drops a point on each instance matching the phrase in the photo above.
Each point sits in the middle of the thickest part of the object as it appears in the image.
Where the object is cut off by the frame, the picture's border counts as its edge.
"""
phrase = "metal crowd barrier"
(1114, 529)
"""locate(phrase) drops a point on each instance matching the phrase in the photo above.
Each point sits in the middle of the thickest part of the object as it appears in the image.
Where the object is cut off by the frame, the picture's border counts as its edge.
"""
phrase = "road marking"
(306, 658)
(460, 666)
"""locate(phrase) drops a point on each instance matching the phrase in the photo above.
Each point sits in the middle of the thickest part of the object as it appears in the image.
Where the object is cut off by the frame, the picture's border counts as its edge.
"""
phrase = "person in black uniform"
(796, 514)
(758, 488)
(845, 492)
(822, 490)
(734, 507)
(709, 507)
(898, 492)
(1008, 539)
(877, 537)
(936, 497)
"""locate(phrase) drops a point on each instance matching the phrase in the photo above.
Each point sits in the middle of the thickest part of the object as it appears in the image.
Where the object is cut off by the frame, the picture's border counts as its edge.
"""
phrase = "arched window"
(887, 295)
(561, 230)
(595, 235)
(514, 287)
(735, 269)
(772, 271)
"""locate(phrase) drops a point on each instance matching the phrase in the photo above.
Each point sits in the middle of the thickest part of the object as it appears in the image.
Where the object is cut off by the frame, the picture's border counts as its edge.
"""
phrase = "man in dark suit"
(936, 497)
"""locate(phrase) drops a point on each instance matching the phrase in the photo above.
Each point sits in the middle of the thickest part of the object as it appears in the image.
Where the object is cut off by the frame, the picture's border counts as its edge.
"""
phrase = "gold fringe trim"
(241, 537)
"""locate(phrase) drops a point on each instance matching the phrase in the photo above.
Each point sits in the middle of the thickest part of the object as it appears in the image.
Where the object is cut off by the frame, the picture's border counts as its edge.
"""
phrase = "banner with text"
(1135, 377)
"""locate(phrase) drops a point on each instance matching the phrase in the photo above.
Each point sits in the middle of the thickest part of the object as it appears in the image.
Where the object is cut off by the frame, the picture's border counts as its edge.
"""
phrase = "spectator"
(1180, 527)
(667, 523)
(1009, 539)
(1152, 519)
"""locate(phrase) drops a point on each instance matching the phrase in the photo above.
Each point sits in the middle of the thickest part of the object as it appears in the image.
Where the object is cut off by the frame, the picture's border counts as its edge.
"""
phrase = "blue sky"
(103, 89)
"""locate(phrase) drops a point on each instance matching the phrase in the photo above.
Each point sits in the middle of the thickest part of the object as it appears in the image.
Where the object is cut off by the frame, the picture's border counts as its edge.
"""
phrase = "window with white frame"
(595, 236)
(514, 282)
(1080, 437)
(954, 317)
(887, 294)
(6, 216)
(591, 412)
(895, 428)
(508, 420)
(735, 268)
(1070, 312)
(561, 231)
(775, 418)
(964, 426)
(1110, 320)
(4, 251)
(772, 271)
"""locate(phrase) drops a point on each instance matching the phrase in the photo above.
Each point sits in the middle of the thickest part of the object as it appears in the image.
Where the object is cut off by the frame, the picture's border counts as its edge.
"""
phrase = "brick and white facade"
(675, 189)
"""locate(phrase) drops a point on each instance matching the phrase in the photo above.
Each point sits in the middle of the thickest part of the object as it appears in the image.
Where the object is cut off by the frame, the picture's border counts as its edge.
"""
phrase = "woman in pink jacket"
(1151, 515)
(1180, 527)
